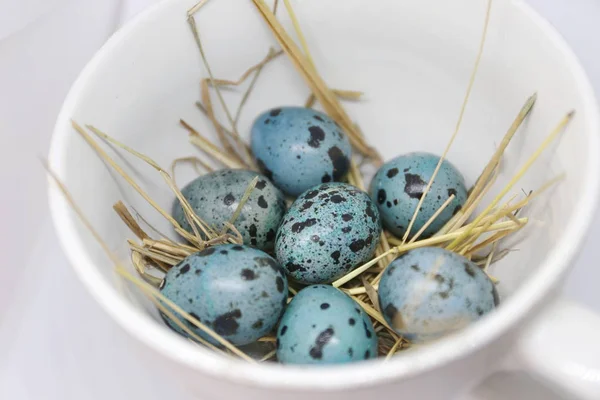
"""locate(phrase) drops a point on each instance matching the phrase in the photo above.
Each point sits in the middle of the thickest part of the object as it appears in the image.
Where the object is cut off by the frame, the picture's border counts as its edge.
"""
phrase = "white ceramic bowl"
(412, 58)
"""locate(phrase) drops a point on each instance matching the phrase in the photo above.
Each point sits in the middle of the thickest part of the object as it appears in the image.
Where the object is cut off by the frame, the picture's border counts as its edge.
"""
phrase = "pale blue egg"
(399, 184)
(237, 291)
(298, 148)
(214, 197)
(328, 231)
(430, 292)
(322, 325)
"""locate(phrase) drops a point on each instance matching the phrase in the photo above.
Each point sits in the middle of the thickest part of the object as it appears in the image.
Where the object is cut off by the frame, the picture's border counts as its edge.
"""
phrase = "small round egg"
(430, 292)
(237, 291)
(328, 231)
(399, 184)
(298, 148)
(215, 197)
(322, 325)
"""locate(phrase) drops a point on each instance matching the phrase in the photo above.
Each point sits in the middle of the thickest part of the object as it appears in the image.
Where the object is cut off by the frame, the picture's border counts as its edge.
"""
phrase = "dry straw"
(171, 309)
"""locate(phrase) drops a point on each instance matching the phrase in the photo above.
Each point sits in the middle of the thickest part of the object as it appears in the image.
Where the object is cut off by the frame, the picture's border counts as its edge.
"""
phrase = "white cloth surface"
(56, 343)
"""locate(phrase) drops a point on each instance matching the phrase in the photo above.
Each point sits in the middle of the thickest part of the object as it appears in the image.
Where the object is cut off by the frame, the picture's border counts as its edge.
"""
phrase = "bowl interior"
(412, 59)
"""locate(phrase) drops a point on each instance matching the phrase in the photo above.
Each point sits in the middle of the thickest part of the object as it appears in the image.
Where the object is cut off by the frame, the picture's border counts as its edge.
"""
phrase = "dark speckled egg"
(215, 197)
(328, 231)
(399, 184)
(238, 291)
(430, 292)
(299, 148)
(322, 325)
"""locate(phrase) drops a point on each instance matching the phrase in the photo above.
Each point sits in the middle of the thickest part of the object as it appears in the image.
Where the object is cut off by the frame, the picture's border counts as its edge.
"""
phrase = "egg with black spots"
(298, 148)
(322, 325)
(214, 197)
(238, 291)
(431, 292)
(399, 184)
(328, 231)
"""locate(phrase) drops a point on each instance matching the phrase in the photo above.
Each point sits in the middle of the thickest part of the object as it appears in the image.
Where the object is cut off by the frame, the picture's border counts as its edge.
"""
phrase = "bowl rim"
(343, 377)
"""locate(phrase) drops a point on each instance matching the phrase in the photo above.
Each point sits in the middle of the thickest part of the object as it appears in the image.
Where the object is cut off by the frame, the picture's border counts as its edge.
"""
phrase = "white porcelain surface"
(466, 67)
(123, 91)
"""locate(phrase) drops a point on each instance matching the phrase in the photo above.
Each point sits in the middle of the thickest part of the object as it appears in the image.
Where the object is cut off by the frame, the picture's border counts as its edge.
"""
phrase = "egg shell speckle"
(399, 184)
(322, 325)
(215, 197)
(429, 292)
(299, 148)
(328, 231)
(238, 291)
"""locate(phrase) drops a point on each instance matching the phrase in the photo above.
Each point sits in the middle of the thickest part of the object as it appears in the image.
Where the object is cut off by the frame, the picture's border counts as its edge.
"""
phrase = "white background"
(55, 342)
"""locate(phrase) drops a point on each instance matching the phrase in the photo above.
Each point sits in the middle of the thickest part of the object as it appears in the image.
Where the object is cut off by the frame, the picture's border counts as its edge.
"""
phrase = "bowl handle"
(560, 349)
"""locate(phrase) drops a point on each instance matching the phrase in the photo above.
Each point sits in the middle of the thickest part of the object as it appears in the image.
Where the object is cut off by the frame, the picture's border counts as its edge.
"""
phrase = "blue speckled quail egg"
(298, 148)
(322, 325)
(215, 197)
(238, 291)
(328, 231)
(399, 184)
(429, 292)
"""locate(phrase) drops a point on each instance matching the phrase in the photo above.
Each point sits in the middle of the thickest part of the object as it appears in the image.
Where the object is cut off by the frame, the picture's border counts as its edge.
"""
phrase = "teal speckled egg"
(215, 197)
(322, 325)
(237, 291)
(430, 292)
(299, 148)
(328, 231)
(399, 184)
